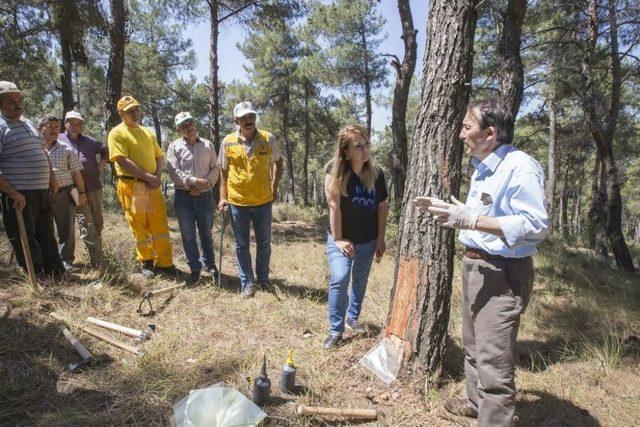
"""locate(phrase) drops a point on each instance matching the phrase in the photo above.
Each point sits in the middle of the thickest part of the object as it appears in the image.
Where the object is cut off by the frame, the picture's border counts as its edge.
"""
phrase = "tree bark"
(553, 161)
(307, 143)
(157, 127)
(603, 131)
(71, 49)
(214, 90)
(419, 308)
(366, 81)
(404, 74)
(576, 220)
(563, 222)
(118, 40)
(511, 71)
(288, 154)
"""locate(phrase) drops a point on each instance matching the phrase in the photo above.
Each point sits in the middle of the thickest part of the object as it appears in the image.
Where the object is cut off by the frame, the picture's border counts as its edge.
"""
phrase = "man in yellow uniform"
(139, 162)
(250, 170)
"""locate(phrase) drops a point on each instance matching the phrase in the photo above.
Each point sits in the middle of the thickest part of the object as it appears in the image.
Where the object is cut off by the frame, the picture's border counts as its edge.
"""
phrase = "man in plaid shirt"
(66, 170)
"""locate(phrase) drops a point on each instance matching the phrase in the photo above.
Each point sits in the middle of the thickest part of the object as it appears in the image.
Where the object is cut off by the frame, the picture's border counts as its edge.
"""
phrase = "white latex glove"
(456, 215)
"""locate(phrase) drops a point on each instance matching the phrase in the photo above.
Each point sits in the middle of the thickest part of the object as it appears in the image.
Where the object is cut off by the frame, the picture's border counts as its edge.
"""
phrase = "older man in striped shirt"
(25, 181)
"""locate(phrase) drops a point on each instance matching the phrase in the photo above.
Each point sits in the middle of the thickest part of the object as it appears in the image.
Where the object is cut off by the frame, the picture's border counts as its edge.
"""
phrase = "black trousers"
(38, 223)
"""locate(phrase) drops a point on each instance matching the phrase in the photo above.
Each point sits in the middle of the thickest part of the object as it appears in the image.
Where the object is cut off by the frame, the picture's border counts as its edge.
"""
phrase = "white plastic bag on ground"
(385, 359)
(216, 406)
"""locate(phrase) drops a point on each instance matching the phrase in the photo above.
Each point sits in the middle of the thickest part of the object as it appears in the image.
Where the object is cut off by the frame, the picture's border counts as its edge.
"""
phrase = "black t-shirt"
(360, 209)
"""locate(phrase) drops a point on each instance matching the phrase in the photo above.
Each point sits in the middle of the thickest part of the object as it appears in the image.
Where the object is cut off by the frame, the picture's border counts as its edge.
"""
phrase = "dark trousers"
(38, 223)
(196, 213)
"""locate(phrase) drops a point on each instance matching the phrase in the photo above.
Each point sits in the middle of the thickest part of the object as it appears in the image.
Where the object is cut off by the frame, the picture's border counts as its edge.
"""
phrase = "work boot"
(332, 341)
(248, 291)
(147, 268)
(265, 285)
(193, 278)
(355, 326)
(461, 408)
(170, 271)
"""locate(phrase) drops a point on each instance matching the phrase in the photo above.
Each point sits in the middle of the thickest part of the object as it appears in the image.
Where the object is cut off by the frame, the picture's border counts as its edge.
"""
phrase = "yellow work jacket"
(248, 179)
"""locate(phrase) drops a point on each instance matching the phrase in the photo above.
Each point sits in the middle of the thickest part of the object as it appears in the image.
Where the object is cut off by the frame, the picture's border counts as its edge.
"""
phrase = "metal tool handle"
(81, 349)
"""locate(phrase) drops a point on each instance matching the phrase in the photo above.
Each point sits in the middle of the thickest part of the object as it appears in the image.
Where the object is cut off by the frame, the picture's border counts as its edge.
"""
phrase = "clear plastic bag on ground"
(385, 359)
(216, 406)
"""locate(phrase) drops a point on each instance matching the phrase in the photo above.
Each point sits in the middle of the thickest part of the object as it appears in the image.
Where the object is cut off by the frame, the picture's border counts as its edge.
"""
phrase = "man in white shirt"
(502, 221)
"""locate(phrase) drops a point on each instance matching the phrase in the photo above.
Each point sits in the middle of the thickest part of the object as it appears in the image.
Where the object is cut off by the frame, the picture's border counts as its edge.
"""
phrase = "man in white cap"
(192, 164)
(93, 156)
(25, 182)
(250, 170)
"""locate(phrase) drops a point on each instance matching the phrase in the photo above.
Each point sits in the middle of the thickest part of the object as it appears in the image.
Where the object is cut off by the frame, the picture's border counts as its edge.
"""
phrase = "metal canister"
(262, 386)
(288, 375)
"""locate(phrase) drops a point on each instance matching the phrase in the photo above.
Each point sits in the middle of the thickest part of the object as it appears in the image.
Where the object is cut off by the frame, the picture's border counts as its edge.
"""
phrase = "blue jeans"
(241, 219)
(195, 212)
(344, 268)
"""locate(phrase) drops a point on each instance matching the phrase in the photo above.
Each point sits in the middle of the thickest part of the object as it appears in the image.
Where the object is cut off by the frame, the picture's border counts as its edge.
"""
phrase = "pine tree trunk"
(419, 308)
(118, 39)
(404, 74)
(307, 143)
(511, 70)
(563, 221)
(576, 221)
(366, 81)
(157, 127)
(286, 143)
(553, 161)
(603, 133)
(214, 90)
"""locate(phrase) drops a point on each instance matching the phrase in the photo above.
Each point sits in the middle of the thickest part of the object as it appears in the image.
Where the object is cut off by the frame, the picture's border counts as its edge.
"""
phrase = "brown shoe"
(460, 407)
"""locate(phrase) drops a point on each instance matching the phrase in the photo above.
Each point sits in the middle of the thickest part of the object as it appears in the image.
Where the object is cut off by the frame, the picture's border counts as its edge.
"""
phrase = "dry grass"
(574, 365)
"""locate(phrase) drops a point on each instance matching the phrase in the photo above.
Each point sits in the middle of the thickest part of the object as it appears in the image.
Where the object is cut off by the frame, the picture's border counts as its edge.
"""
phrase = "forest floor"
(578, 352)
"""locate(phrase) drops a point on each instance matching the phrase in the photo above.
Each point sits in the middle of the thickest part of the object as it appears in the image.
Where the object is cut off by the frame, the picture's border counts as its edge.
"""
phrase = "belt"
(475, 253)
(130, 178)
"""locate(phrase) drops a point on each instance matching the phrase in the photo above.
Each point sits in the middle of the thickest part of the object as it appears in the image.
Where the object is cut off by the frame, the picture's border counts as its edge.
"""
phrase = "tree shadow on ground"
(319, 295)
(33, 370)
(298, 231)
(453, 364)
(537, 356)
(539, 408)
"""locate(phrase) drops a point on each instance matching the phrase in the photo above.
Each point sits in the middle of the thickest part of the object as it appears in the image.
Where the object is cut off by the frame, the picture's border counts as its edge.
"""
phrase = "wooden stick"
(115, 327)
(113, 342)
(25, 249)
(105, 338)
(360, 414)
(167, 289)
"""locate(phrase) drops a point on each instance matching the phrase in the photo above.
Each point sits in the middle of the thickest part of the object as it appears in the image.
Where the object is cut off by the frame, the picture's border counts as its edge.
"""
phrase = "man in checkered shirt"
(66, 170)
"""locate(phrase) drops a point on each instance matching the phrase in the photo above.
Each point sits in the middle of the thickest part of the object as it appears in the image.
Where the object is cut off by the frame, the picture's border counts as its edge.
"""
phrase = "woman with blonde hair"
(357, 195)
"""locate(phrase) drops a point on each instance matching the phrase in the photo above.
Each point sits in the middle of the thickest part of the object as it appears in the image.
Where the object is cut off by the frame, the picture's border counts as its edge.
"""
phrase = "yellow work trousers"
(146, 214)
